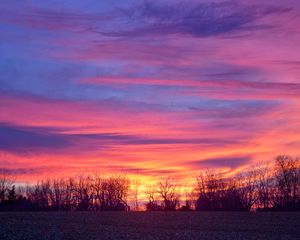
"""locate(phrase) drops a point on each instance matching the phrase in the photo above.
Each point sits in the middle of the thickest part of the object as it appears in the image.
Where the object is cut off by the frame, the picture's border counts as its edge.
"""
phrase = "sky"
(147, 88)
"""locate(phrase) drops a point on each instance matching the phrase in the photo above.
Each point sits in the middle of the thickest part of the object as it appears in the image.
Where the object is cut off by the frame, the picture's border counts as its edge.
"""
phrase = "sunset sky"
(147, 88)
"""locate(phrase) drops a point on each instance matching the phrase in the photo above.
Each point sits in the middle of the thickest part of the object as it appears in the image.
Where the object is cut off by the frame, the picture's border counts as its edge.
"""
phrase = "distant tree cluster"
(262, 189)
(83, 193)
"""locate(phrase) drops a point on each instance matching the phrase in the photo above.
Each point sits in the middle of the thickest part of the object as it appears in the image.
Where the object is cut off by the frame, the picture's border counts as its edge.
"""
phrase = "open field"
(148, 225)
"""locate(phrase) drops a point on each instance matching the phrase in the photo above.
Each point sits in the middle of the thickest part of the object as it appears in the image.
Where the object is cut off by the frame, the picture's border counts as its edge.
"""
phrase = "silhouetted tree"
(135, 187)
(12, 194)
(215, 193)
(169, 193)
(287, 177)
(188, 201)
(151, 193)
(6, 182)
(265, 188)
(248, 188)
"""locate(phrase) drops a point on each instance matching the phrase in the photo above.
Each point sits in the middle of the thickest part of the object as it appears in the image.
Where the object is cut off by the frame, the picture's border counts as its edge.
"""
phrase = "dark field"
(149, 225)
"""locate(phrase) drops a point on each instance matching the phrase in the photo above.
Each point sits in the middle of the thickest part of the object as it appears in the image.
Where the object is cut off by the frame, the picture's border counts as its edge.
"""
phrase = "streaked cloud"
(197, 19)
(19, 139)
(231, 162)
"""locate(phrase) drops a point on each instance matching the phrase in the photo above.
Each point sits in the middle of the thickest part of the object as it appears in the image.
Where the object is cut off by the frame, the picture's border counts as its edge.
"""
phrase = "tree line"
(263, 189)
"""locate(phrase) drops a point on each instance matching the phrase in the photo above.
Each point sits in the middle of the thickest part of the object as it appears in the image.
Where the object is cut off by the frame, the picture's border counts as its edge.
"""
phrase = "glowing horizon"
(147, 89)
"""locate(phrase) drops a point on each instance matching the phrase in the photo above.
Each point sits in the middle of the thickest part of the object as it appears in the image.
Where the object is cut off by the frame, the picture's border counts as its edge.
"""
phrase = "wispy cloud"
(231, 162)
(20, 139)
(23, 171)
(196, 19)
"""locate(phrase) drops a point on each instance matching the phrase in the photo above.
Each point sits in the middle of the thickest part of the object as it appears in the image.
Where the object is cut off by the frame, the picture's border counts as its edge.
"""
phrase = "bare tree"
(122, 186)
(265, 187)
(210, 187)
(97, 187)
(287, 175)
(248, 186)
(6, 183)
(169, 193)
(151, 193)
(217, 192)
(84, 193)
(58, 193)
(135, 189)
(189, 199)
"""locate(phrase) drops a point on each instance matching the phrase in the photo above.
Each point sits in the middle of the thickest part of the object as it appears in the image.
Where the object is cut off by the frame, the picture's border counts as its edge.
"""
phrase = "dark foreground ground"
(145, 225)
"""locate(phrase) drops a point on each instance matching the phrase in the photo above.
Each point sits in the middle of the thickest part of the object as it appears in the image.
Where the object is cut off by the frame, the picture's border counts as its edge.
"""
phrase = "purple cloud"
(19, 139)
(196, 19)
(22, 139)
(231, 162)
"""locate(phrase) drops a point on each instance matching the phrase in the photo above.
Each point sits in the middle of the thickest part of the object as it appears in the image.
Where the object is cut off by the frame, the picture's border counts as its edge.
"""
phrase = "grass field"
(145, 225)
